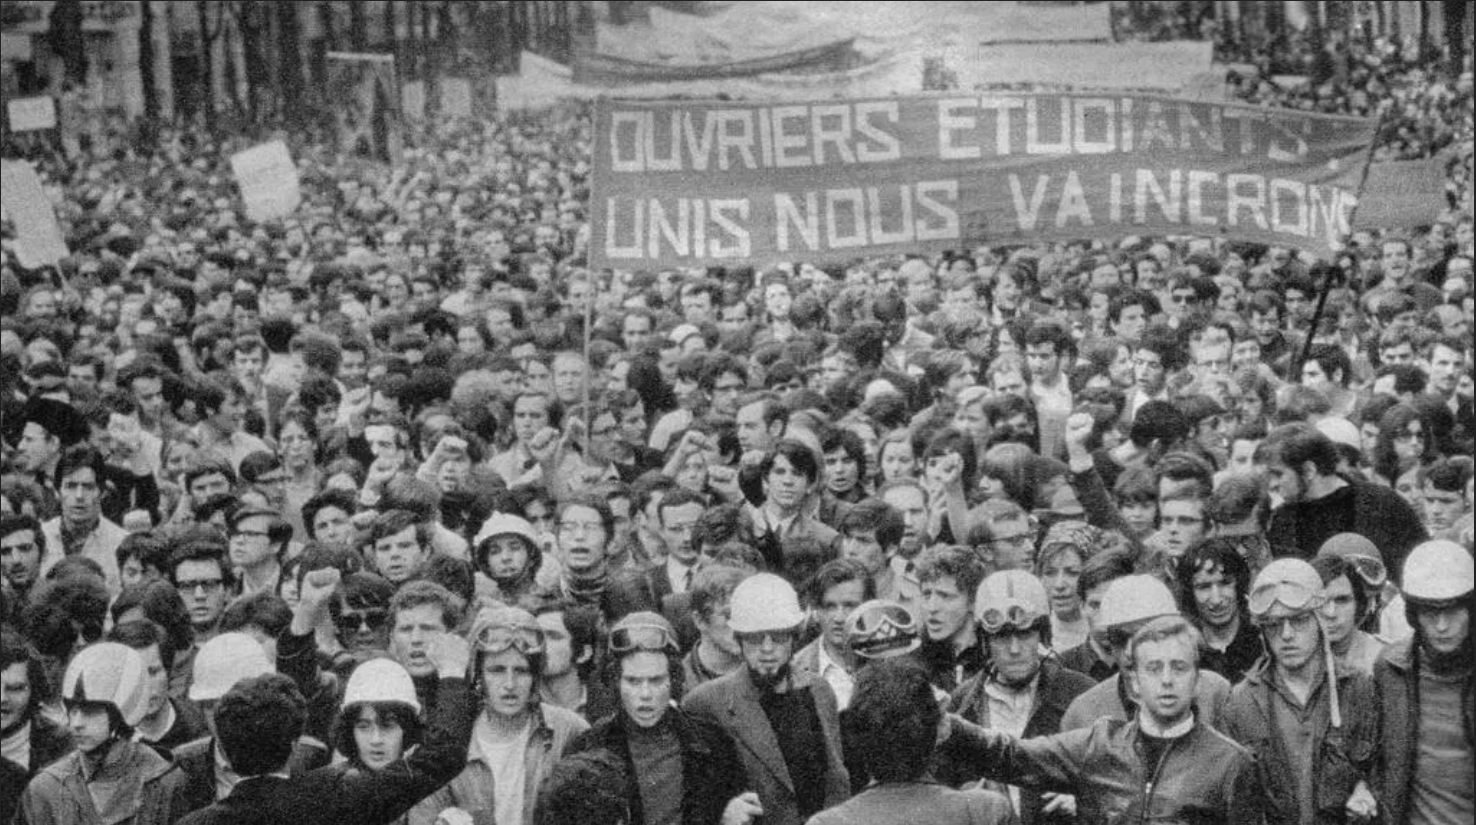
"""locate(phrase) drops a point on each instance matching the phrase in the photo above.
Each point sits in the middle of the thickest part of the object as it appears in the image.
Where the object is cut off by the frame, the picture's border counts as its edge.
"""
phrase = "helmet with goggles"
(881, 629)
(1010, 599)
(498, 629)
(1361, 552)
(644, 630)
(1289, 582)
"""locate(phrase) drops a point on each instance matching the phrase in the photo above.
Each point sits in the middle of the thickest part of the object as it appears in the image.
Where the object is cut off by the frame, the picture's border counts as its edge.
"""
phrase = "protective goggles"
(634, 637)
(1370, 569)
(1014, 617)
(497, 638)
(1291, 595)
(881, 628)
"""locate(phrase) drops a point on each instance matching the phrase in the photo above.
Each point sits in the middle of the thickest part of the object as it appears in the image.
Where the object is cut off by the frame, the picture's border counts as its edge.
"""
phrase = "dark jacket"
(1371, 510)
(1345, 755)
(1396, 689)
(347, 793)
(711, 772)
(1057, 687)
(1203, 777)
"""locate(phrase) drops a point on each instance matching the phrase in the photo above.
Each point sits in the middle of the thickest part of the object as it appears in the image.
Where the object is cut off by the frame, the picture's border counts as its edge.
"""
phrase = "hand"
(544, 444)
(380, 472)
(318, 586)
(1362, 805)
(1059, 802)
(742, 809)
(1079, 428)
(451, 655)
(724, 480)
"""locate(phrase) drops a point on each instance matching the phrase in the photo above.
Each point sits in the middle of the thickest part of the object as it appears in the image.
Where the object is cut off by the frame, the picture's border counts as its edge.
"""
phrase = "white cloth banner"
(30, 114)
(38, 237)
(268, 180)
(412, 99)
(456, 97)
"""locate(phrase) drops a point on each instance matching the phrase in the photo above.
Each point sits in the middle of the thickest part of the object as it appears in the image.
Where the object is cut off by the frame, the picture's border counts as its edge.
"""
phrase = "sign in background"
(38, 237)
(680, 183)
(268, 180)
(31, 114)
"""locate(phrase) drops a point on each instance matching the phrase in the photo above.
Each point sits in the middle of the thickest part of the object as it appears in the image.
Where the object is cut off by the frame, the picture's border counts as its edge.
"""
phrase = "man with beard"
(910, 499)
(1023, 692)
(1317, 503)
(22, 545)
(1424, 689)
(785, 720)
(1310, 722)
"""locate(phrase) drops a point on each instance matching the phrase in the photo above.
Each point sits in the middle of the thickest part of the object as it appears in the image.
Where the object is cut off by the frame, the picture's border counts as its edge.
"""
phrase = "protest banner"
(412, 100)
(1402, 193)
(456, 97)
(684, 183)
(365, 99)
(268, 180)
(38, 237)
(31, 114)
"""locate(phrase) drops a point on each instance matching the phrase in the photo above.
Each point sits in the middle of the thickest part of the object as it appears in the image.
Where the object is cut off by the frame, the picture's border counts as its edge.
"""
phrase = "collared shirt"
(1296, 725)
(842, 681)
(1009, 710)
(226, 779)
(679, 574)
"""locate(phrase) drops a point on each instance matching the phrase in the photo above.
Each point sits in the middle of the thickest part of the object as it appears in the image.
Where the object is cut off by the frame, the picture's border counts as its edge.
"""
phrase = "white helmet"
(1135, 598)
(381, 680)
(1010, 598)
(225, 660)
(1438, 571)
(764, 602)
(110, 673)
(506, 524)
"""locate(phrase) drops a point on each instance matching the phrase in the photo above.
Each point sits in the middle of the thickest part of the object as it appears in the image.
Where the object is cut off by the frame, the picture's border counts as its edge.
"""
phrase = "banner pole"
(1295, 374)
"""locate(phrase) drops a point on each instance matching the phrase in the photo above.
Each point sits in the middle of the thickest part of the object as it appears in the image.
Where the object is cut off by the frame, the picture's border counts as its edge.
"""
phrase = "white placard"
(268, 180)
(30, 114)
(38, 237)
(456, 97)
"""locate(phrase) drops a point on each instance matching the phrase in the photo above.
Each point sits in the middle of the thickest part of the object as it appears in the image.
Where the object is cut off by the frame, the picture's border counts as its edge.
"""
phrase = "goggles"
(1014, 617)
(881, 628)
(351, 622)
(1370, 569)
(497, 638)
(1289, 594)
(651, 637)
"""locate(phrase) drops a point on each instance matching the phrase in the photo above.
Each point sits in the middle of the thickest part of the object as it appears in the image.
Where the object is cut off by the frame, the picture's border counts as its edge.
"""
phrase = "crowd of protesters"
(395, 511)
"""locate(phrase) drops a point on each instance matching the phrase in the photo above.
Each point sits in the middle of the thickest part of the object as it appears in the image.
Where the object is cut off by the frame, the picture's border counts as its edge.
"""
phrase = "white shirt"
(101, 546)
(840, 680)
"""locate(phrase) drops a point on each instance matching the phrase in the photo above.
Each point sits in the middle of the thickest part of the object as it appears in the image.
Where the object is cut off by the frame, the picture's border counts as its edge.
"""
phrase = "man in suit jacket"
(785, 721)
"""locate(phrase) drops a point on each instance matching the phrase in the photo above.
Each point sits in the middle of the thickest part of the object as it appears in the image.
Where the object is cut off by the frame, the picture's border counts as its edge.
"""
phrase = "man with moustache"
(784, 720)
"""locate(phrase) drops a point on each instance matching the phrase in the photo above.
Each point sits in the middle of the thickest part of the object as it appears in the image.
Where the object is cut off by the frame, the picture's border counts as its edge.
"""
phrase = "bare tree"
(289, 59)
(208, 35)
(358, 28)
(67, 40)
(146, 59)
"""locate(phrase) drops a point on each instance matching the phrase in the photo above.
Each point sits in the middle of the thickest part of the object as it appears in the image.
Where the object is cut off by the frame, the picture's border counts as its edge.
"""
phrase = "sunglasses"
(994, 620)
(374, 620)
(649, 637)
(499, 638)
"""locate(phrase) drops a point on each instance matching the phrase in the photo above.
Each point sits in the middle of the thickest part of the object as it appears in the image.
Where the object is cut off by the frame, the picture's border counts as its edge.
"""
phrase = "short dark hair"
(390, 522)
(342, 735)
(80, 457)
(264, 610)
(16, 649)
(1102, 568)
(586, 788)
(343, 500)
(1329, 568)
(836, 572)
(16, 522)
(875, 514)
(257, 723)
(150, 549)
(141, 634)
(1295, 444)
(894, 718)
(418, 593)
(797, 454)
(202, 549)
(949, 561)
(712, 585)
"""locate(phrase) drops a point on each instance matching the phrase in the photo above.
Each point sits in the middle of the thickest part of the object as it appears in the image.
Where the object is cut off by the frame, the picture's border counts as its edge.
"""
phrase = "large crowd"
(393, 510)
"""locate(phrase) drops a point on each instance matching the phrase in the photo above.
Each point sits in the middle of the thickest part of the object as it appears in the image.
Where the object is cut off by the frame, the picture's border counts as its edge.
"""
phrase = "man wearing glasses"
(682, 768)
(1311, 722)
(516, 739)
(785, 720)
(258, 541)
(205, 580)
(1023, 692)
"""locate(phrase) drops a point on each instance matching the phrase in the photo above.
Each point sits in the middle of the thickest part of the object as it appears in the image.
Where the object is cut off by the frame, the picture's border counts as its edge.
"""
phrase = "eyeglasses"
(1290, 594)
(498, 638)
(373, 620)
(652, 637)
(775, 637)
(192, 585)
(1280, 624)
(994, 620)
